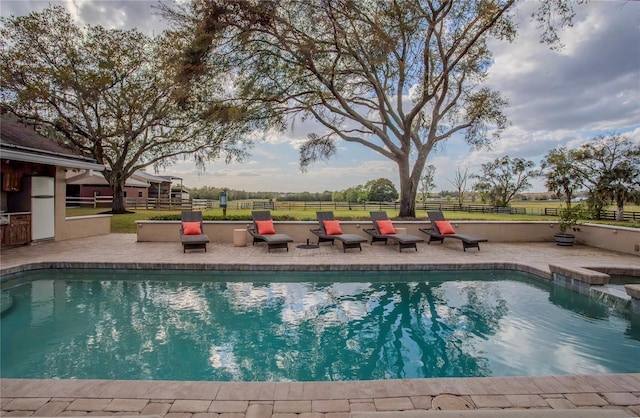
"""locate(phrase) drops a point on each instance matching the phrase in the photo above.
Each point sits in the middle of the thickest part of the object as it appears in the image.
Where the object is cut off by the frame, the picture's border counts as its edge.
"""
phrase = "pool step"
(6, 302)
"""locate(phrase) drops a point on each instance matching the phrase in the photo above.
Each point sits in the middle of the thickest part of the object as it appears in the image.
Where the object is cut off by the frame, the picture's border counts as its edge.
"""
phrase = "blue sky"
(556, 98)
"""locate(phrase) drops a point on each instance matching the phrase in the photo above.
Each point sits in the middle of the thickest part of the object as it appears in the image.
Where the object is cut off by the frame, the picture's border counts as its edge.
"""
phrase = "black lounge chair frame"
(468, 241)
(273, 241)
(403, 240)
(347, 240)
(193, 242)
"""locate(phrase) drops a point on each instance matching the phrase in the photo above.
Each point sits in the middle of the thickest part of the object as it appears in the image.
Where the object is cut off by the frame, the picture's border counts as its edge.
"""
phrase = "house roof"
(20, 141)
(93, 178)
(154, 179)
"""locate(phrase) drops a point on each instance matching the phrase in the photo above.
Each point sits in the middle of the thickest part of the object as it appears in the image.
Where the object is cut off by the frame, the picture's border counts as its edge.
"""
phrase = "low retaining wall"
(626, 240)
(622, 239)
(84, 226)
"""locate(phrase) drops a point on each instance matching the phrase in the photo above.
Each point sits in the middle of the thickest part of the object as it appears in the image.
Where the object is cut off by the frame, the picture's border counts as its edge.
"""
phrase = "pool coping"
(325, 399)
(44, 265)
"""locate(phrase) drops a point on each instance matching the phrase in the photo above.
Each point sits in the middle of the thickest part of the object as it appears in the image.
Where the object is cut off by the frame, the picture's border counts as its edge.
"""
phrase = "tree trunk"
(408, 192)
(118, 206)
(620, 198)
(567, 196)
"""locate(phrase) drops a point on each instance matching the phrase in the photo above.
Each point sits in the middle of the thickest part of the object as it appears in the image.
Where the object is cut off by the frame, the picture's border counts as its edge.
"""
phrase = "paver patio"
(25, 397)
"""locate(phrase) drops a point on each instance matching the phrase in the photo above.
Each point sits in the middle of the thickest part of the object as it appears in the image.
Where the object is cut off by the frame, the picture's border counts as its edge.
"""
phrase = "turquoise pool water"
(260, 326)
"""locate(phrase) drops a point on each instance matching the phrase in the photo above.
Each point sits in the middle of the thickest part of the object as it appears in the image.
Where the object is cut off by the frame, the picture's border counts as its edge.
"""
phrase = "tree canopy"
(562, 175)
(427, 181)
(609, 167)
(460, 182)
(505, 177)
(112, 94)
(381, 190)
(397, 77)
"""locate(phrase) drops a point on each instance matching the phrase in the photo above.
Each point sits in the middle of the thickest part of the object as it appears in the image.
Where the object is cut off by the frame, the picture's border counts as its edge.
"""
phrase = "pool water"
(275, 326)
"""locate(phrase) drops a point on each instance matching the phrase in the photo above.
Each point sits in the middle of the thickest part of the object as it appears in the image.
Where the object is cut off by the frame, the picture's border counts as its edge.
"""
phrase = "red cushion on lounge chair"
(445, 227)
(191, 228)
(265, 227)
(332, 227)
(386, 227)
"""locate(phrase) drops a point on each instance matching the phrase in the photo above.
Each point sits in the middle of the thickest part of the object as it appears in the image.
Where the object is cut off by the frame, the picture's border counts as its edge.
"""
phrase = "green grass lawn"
(125, 223)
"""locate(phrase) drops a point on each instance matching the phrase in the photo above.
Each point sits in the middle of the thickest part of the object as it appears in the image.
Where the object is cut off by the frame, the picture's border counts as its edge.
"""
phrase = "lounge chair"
(383, 230)
(330, 230)
(441, 229)
(263, 231)
(191, 232)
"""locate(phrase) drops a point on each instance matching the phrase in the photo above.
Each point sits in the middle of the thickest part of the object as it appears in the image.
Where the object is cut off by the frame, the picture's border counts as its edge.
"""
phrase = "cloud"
(122, 14)
(556, 98)
(593, 83)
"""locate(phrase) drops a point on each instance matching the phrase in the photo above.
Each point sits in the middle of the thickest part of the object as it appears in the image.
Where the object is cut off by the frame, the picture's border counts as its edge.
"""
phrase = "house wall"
(15, 188)
(165, 190)
(154, 190)
(90, 190)
(64, 228)
(160, 190)
(16, 202)
(60, 202)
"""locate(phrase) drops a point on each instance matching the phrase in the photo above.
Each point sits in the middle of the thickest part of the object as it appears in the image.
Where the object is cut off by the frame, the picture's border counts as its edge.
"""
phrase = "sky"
(556, 98)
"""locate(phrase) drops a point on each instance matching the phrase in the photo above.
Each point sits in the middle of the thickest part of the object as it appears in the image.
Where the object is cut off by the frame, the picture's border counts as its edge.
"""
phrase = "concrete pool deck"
(25, 397)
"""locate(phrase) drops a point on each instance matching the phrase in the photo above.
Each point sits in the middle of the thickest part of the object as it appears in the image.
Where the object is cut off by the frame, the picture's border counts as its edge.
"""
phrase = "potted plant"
(568, 218)
(559, 167)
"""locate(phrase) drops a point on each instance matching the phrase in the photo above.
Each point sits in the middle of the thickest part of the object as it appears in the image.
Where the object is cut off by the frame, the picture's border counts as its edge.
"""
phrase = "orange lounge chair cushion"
(445, 227)
(265, 227)
(191, 228)
(386, 227)
(332, 227)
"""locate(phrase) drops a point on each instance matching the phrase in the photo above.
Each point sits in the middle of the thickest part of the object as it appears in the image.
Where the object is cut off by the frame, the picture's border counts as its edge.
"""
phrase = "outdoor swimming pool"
(293, 326)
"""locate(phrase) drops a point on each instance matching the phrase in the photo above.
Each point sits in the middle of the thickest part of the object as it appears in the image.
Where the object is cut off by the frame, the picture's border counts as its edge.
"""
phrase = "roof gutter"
(49, 158)
(40, 151)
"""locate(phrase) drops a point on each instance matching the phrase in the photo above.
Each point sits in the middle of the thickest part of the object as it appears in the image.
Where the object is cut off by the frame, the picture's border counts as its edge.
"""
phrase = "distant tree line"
(606, 168)
(213, 193)
(380, 190)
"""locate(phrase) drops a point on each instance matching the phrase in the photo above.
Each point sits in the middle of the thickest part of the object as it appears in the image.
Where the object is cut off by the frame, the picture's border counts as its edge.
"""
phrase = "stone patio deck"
(24, 397)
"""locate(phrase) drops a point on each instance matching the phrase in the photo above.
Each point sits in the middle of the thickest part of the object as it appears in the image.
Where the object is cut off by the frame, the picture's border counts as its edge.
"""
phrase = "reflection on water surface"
(301, 327)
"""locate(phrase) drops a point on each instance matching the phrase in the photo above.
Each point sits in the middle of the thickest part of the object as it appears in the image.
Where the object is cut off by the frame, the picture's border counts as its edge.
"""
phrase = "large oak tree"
(113, 95)
(609, 167)
(561, 173)
(503, 178)
(396, 76)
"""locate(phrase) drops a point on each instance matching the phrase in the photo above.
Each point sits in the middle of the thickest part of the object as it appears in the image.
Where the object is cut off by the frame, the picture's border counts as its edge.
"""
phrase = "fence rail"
(607, 215)
(204, 204)
(143, 203)
(379, 206)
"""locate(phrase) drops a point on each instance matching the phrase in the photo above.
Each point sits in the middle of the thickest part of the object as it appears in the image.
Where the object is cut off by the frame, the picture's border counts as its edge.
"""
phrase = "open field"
(125, 223)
